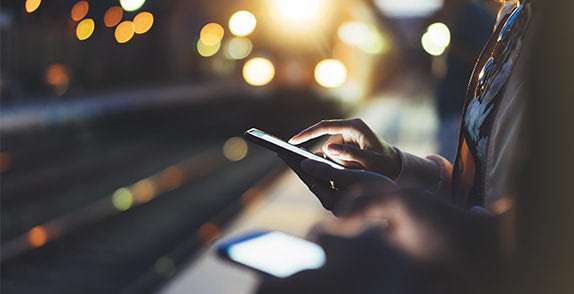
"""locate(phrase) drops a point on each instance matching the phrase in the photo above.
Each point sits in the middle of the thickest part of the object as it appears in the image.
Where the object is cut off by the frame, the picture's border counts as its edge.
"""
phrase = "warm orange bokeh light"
(80, 10)
(143, 22)
(171, 178)
(85, 29)
(37, 236)
(32, 5)
(124, 31)
(113, 16)
(56, 74)
(5, 161)
(143, 191)
(211, 34)
(208, 232)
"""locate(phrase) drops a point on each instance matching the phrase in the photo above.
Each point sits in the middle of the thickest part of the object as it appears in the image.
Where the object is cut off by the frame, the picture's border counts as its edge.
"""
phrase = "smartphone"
(277, 145)
(273, 253)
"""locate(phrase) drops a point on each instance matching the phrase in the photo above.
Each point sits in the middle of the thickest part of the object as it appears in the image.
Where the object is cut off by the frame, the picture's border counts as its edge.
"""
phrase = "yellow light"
(131, 5)
(124, 31)
(122, 199)
(242, 23)
(362, 35)
(143, 22)
(211, 34)
(205, 50)
(258, 71)
(37, 236)
(235, 149)
(297, 9)
(436, 39)
(238, 48)
(113, 16)
(85, 29)
(80, 10)
(32, 5)
(330, 73)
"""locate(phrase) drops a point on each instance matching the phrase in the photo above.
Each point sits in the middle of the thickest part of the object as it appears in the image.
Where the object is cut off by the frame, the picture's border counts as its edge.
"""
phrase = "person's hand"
(332, 185)
(354, 145)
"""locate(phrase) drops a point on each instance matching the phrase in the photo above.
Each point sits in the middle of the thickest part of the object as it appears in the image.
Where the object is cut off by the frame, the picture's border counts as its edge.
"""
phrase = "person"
(471, 24)
(445, 217)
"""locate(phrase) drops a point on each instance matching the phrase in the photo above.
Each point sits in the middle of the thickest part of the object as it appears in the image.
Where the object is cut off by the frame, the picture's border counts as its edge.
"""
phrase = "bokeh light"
(164, 266)
(143, 191)
(37, 236)
(80, 10)
(238, 48)
(297, 9)
(124, 31)
(436, 39)
(211, 34)
(143, 22)
(362, 35)
(258, 71)
(235, 149)
(131, 5)
(113, 16)
(171, 178)
(122, 199)
(85, 29)
(330, 73)
(242, 23)
(207, 50)
(32, 5)
(58, 77)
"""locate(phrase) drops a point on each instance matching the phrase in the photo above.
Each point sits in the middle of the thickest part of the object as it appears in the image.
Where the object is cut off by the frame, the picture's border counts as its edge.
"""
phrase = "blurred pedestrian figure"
(471, 23)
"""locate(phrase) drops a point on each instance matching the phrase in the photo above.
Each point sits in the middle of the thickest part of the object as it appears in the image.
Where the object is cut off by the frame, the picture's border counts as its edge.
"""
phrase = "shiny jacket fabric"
(490, 124)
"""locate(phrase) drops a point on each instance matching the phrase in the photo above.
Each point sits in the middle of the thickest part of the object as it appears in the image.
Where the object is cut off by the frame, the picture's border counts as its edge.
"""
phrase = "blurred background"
(122, 156)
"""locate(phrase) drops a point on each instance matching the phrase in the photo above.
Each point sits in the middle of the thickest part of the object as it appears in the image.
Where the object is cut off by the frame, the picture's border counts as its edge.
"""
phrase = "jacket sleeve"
(433, 173)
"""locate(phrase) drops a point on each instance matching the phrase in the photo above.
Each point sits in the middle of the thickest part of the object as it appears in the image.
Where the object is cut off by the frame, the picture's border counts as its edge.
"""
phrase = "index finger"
(325, 127)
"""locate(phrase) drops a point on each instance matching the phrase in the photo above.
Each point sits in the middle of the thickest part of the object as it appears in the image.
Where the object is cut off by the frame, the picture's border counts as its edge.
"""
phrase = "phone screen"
(276, 253)
(292, 148)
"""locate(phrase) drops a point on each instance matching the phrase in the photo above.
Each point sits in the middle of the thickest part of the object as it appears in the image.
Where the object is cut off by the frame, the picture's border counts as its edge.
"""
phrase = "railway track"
(126, 198)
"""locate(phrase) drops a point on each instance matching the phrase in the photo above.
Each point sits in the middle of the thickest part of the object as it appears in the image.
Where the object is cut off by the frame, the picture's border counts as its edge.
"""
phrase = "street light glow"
(131, 5)
(297, 9)
(211, 34)
(85, 29)
(143, 22)
(258, 71)
(436, 39)
(238, 48)
(242, 23)
(330, 73)
(124, 31)
(362, 35)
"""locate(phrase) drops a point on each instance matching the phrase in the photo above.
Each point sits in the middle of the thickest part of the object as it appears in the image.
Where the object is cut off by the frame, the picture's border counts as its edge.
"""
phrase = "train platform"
(287, 205)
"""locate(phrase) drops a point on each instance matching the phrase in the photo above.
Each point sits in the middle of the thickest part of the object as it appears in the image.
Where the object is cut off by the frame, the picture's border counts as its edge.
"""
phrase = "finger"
(326, 127)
